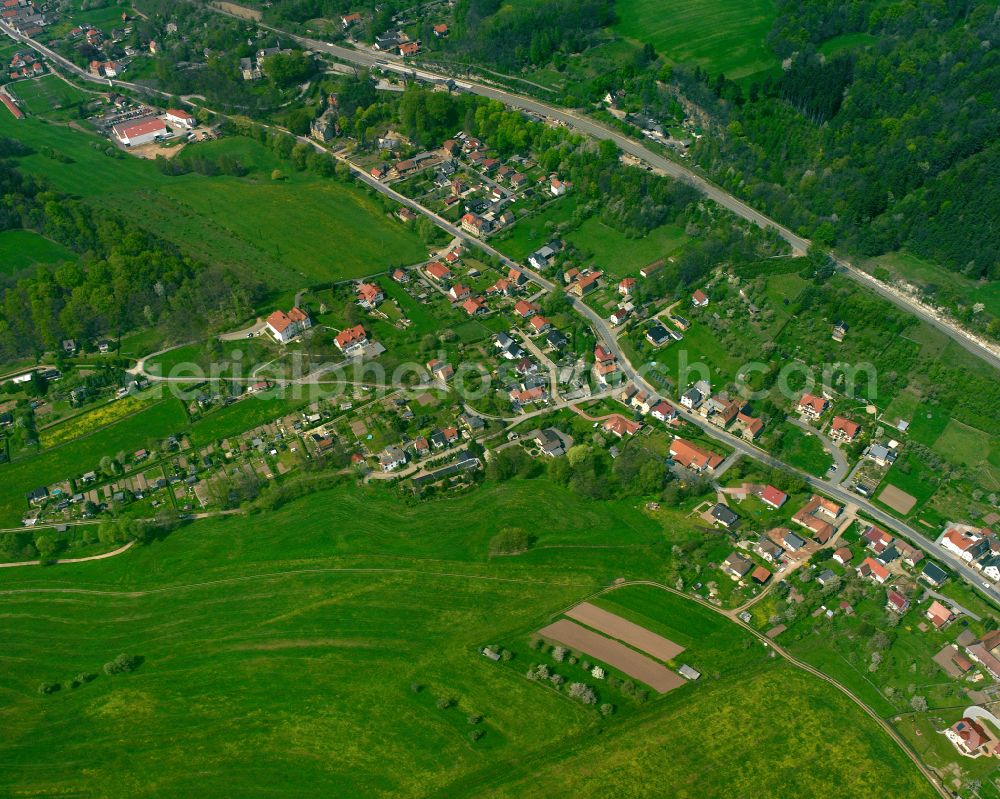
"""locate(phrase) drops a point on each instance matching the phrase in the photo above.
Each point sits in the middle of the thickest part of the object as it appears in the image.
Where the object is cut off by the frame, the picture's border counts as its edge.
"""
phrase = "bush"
(416, 687)
(475, 735)
(48, 688)
(510, 541)
(82, 679)
(444, 703)
(475, 718)
(123, 664)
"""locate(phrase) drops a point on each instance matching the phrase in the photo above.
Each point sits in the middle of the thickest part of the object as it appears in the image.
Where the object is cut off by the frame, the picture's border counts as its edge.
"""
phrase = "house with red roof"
(525, 309)
(458, 292)
(437, 271)
(896, 602)
(370, 295)
(503, 287)
(692, 457)
(135, 134)
(663, 411)
(351, 339)
(843, 556)
(959, 542)
(939, 615)
(620, 426)
(970, 738)
(286, 326)
(474, 306)
(871, 569)
(626, 286)
(773, 497)
(180, 117)
(539, 323)
(585, 284)
(699, 299)
(812, 406)
(842, 429)
(475, 224)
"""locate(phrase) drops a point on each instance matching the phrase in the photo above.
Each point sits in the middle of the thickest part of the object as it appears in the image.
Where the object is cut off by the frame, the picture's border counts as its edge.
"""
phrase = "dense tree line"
(125, 278)
(887, 147)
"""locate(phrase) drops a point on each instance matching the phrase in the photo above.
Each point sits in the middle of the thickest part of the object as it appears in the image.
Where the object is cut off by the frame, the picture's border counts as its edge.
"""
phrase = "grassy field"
(83, 454)
(721, 37)
(286, 648)
(622, 256)
(290, 233)
(243, 416)
(532, 232)
(20, 249)
(906, 266)
(49, 94)
(804, 451)
(90, 420)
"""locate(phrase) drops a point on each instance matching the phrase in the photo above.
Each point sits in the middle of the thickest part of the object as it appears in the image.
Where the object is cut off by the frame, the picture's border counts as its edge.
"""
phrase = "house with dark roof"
(724, 515)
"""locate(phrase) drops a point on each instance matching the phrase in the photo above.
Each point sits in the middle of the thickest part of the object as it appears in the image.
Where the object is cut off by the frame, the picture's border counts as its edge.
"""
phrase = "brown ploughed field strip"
(624, 630)
(897, 499)
(614, 653)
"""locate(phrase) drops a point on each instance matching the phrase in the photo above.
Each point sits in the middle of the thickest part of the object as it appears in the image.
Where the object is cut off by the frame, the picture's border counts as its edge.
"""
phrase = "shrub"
(82, 679)
(416, 687)
(48, 688)
(475, 735)
(123, 664)
(510, 541)
(607, 709)
(583, 692)
(444, 703)
(475, 718)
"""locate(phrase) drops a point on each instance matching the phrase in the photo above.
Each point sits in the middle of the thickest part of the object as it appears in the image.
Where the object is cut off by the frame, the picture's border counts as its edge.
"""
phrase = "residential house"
(619, 426)
(842, 429)
(438, 271)
(458, 292)
(440, 30)
(542, 257)
(649, 269)
(772, 497)
(939, 615)
(476, 225)
(760, 575)
(351, 339)
(474, 306)
(969, 738)
(933, 575)
(768, 550)
(986, 652)
(843, 556)
(181, 118)
(370, 295)
(401, 276)
(873, 570)
(724, 515)
(663, 411)
(618, 316)
(585, 284)
(812, 406)
(525, 309)
(550, 442)
(539, 324)
(959, 542)
(391, 458)
(558, 187)
(286, 326)
(882, 454)
(699, 299)
(657, 335)
(440, 370)
(737, 566)
(556, 339)
(825, 577)
(792, 542)
(692, 457)
(816, 516)
(626, 286)
(896, 602)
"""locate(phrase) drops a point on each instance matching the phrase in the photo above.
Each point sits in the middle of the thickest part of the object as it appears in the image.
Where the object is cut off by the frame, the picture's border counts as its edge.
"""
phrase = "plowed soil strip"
(624, 630)
(614, 653)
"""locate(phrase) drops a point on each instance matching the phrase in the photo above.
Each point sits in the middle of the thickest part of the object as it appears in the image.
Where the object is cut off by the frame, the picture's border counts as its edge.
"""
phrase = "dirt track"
(644, 669)
(624, 630)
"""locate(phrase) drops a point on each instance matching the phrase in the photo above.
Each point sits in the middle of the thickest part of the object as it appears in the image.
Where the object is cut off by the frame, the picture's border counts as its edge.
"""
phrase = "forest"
(125, 278)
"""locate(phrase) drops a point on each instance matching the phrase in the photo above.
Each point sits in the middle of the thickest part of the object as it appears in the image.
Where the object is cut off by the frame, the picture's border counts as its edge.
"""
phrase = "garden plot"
(624, 630)
(897, 499)
(614, 653)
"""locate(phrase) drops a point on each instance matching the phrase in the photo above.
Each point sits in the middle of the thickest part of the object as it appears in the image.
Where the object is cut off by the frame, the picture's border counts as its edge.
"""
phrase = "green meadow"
(292, 232)
(719, 36)
(310, 649)
(21, 249)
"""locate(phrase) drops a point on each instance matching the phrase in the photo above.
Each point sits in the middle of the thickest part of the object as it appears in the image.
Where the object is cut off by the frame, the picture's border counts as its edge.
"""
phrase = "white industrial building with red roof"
(133, 134)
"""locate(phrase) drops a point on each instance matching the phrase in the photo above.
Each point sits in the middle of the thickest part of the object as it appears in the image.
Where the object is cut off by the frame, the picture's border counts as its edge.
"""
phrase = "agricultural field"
(91, 420)
(224, 218)
(22, 249)
(83, 454)
(721, 37)
(272, 614)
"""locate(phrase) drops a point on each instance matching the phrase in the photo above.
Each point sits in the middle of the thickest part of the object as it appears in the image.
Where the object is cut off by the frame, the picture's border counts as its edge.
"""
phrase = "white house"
(391, 458)
(286, 326)
(176, 116)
